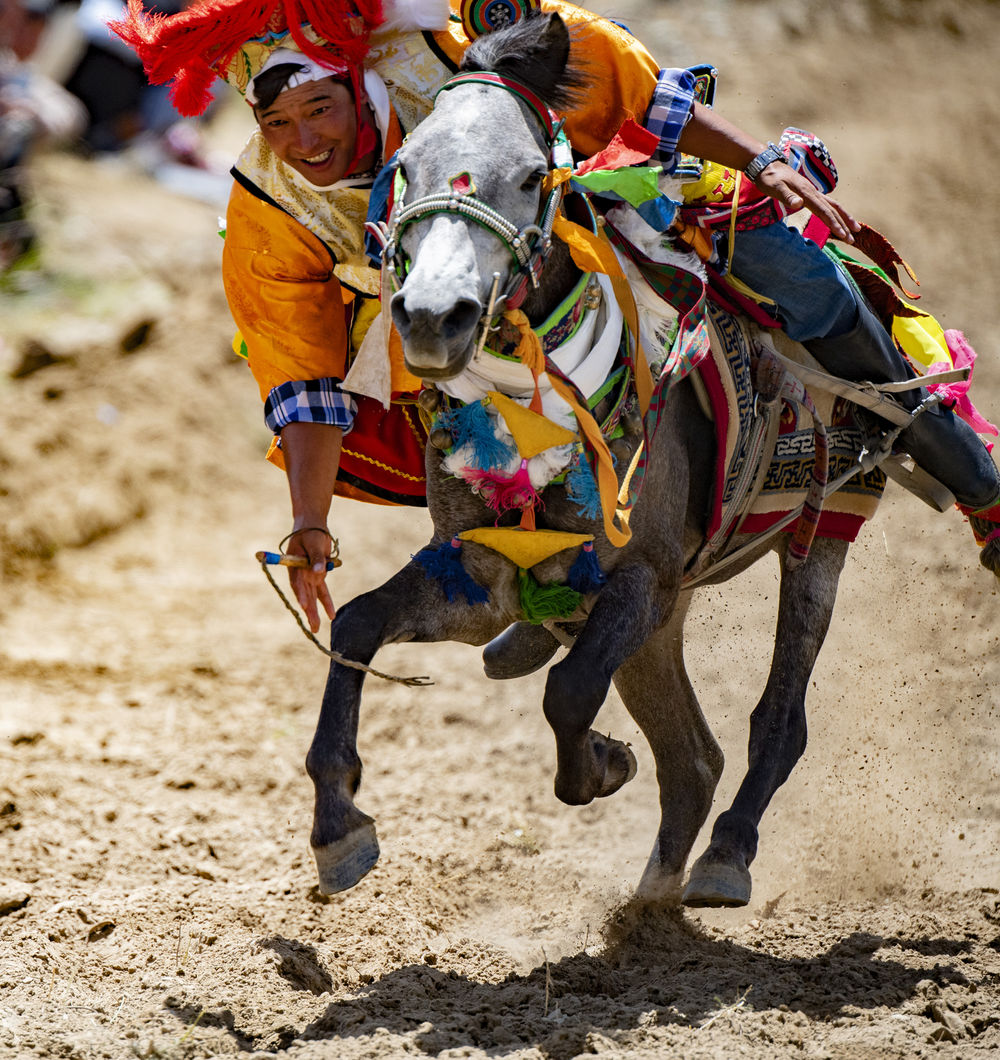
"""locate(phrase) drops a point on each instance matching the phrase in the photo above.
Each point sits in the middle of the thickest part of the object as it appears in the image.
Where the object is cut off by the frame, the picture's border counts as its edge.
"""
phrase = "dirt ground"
(157, 892)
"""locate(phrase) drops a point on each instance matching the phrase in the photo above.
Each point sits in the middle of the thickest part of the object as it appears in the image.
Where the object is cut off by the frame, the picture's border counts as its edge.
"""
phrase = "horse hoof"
(521, 649)
(621, 766)
(342, 864)
(717, 884)
(659, 889)
(595, 770)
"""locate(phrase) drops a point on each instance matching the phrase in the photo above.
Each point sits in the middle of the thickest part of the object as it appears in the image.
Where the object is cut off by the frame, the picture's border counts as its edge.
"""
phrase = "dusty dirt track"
(156, 888)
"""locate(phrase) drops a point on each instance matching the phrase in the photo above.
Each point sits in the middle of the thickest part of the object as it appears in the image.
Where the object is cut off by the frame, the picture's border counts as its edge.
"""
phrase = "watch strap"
(771, 153)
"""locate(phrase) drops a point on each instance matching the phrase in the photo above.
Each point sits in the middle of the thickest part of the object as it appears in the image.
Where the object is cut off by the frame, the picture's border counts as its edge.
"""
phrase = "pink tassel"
(956, 395)
(503, 492)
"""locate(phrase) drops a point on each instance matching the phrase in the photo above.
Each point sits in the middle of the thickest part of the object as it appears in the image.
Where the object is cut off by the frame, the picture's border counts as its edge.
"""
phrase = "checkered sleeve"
(309, 401)
(669, 112)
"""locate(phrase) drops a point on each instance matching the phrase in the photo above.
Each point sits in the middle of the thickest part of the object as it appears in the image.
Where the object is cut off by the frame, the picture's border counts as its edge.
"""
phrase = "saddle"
(793, 455)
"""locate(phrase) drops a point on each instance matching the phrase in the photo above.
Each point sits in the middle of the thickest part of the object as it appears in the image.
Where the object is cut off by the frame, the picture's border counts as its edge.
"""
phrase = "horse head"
(468, 231)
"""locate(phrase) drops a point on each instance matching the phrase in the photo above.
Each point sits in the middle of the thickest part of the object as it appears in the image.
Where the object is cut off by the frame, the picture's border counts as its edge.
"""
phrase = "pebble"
(13, 894)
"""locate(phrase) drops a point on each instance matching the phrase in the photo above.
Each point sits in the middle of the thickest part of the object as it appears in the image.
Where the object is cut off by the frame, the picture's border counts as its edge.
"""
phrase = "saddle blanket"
(727, 379)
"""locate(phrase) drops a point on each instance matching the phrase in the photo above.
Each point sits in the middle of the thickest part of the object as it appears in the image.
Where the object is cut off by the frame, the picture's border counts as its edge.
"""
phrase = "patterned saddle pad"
(727, 380)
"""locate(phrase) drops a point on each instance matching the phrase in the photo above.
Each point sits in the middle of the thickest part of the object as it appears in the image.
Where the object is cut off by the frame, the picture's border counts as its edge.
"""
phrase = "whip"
(283, 559)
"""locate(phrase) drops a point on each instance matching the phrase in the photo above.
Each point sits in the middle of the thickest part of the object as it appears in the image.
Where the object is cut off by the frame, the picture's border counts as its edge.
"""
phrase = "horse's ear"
(553, 42)
(535, 51)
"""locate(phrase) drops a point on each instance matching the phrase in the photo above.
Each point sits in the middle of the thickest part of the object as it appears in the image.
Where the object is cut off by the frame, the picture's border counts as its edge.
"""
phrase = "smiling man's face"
(313, 128)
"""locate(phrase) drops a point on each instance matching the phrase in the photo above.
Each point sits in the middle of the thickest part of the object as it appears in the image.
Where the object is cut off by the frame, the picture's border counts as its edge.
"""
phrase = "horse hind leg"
(721, 876)
(655, 689)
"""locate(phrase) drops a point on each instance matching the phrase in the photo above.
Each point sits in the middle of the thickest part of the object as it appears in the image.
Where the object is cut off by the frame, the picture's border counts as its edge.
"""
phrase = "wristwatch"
(771, 153)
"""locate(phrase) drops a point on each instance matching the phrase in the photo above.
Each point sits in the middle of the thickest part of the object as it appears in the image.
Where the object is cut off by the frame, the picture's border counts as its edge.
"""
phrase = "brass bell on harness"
(631, 420)
(592, 296)
(441, 439)
(622, 450)
(428, 399)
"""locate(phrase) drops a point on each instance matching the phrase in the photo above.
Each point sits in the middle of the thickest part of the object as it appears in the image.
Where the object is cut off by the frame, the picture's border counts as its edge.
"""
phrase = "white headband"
(312, 70)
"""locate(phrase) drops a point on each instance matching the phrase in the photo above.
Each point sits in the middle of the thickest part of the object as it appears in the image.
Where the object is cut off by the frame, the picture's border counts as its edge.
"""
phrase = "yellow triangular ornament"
(533, 433)
(524, 548)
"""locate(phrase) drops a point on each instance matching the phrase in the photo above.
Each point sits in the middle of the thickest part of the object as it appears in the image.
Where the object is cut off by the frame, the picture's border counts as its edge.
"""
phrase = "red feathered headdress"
(232, 39)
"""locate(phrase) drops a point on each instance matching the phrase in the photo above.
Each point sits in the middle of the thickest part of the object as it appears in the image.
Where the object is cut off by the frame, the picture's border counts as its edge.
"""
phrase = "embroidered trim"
(385, 467)
(417, 433)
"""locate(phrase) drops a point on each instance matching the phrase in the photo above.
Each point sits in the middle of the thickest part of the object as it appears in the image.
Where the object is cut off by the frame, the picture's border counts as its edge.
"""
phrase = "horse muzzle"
(438, 333)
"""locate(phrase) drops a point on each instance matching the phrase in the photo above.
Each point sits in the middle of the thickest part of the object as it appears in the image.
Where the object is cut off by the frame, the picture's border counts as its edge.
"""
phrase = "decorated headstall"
(529, 246)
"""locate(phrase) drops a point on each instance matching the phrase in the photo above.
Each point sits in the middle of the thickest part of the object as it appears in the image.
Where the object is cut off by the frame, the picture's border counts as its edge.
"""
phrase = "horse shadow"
(656, 967)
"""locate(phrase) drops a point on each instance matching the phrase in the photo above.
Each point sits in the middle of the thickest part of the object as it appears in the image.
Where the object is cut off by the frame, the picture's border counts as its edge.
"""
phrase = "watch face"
(484, 16)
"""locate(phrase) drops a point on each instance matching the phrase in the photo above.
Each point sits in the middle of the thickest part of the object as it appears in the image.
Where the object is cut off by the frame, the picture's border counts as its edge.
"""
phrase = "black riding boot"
(939, 442)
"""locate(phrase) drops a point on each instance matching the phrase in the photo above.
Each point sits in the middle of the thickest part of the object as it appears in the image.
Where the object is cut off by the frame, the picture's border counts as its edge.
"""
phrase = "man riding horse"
(333, 87)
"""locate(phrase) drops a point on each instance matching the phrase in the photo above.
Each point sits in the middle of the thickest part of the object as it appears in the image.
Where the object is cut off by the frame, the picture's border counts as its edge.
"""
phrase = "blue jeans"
(815, 300)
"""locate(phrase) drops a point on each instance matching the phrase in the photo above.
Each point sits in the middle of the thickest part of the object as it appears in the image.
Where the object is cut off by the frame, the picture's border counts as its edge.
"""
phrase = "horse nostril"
(461, 319)
(455, 323)
(400, 317)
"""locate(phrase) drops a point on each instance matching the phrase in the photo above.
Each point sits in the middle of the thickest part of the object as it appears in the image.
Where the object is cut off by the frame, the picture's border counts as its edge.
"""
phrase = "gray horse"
(631, 631)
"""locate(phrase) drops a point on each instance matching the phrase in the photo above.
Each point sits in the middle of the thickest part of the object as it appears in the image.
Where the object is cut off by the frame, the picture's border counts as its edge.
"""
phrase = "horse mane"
(535, 50)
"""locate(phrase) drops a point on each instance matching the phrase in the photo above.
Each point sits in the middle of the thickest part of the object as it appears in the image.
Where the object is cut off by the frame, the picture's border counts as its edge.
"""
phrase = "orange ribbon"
(607, 480)
(529, 350)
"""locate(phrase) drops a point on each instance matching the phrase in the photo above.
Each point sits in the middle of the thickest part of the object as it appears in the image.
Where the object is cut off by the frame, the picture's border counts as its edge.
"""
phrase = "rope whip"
(266, 558)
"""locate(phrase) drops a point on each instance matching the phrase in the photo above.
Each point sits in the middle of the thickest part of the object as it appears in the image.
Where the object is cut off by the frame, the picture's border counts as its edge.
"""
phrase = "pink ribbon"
(956, 395)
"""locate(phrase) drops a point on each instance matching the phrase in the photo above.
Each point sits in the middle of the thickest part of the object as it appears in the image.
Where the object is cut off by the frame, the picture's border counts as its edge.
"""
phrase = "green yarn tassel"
(542, 602)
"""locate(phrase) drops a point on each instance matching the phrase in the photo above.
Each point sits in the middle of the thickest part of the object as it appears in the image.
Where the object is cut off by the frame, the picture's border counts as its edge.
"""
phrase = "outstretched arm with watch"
(708, 135)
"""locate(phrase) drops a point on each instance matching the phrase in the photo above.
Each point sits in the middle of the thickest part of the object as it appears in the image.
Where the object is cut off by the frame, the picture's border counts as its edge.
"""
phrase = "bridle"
(529, 246)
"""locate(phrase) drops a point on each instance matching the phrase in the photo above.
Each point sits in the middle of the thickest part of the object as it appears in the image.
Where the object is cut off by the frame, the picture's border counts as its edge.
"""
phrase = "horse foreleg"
(721, 876)
(655, 689)
(343, 840)
(407, 607)
(589, 765)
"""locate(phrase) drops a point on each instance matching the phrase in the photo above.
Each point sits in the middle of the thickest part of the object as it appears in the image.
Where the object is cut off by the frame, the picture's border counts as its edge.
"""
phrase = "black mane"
(535, 50)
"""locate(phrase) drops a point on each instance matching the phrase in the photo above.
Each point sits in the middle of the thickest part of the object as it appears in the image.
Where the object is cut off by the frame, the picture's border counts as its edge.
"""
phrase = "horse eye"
(532, 182)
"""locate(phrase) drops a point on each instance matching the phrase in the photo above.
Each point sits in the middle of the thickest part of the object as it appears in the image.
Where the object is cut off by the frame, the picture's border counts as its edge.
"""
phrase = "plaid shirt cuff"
(309, 401)
(669, 113)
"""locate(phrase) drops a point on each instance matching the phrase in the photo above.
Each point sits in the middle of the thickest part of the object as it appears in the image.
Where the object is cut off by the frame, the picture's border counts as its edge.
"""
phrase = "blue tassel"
(444, 565)
(472, 425)
(582, 488)
(586, 576)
